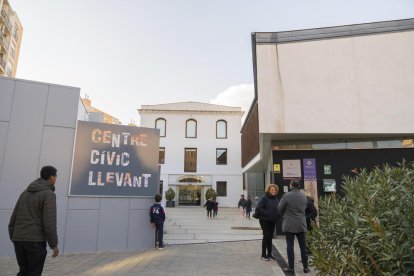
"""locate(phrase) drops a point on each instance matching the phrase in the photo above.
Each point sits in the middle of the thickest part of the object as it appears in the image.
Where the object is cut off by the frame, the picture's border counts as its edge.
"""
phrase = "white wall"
(346, 85)
(206, 144)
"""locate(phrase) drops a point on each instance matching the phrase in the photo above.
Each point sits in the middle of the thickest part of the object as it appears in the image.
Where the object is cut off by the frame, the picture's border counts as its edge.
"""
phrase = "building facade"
(11, 31)
(199, 149)
(329, 102)
(97, 115)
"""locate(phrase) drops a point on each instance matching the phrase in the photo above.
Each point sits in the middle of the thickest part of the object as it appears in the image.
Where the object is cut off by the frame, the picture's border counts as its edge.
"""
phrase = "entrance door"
(189, 195)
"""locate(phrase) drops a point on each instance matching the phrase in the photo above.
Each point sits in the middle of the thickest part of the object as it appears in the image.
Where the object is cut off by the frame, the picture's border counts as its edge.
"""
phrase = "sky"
(128, 53)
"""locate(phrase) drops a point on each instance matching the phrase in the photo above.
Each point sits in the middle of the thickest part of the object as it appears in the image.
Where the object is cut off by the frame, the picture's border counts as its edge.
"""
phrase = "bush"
(211, 193)
(370, 231)
(169, 194)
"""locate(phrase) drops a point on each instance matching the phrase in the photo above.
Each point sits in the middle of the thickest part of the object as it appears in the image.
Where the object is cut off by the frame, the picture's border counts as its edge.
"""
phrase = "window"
(221, 129)
(221, 156)
(161, 186)
(191, 129)
(221, 188)
(190, 160)
(161, 124)
(161, 156)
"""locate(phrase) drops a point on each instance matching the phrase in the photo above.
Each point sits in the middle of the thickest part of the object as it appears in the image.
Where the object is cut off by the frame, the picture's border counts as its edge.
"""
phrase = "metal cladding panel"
(140, 232)
(57, 149)
(24, 139)
(6, 98)
(62, 106)
(113, 224)
(5, 244)
(81, 231)
(87, 203)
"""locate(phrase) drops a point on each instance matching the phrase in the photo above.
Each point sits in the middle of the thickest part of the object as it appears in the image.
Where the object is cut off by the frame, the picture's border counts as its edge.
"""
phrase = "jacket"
(310, 212)
(292, 206)
(34, 216)
(248, 206)
(157, 213)
(267, 208)
(209, 205)
(241, 203)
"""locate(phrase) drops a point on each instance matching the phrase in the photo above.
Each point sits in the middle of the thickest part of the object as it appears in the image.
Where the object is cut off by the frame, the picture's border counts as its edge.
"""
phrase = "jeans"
(290, 242)
(159, 232)
(268, 228)
(209, 213)
(30, 257)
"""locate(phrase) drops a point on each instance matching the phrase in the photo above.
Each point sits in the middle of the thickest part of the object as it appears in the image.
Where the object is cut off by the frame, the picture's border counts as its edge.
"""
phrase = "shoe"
(271, 258)
(161, 247)
(265, 259)
(288, 270)
(306, 270)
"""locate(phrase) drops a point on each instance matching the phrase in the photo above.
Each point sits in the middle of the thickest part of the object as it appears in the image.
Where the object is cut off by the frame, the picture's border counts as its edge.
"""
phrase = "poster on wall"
(329, 185)
(291, 168)
(309, 168)
(115, 160)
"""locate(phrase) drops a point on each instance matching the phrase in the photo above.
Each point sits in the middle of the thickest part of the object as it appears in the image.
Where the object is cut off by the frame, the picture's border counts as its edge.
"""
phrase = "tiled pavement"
(220, 258)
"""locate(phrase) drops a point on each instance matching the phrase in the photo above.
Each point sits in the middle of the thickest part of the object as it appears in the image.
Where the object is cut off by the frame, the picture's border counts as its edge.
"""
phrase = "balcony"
(7, 21)
(5, 43)
(2, 65)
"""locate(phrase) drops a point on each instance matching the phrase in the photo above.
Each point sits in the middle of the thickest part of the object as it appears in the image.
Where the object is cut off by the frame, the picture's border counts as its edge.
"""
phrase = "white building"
(199, 149)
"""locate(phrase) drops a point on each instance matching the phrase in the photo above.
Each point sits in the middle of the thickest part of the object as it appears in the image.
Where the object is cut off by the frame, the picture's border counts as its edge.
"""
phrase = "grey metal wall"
(37, 128)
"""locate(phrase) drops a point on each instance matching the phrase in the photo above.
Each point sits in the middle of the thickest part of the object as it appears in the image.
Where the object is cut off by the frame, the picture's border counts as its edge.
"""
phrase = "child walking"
(248, 207)
(157, 218)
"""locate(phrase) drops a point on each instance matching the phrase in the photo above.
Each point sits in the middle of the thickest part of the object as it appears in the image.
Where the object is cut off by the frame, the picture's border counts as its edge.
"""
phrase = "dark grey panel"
(24, 141)
(81, 231)
(88, 203)
(141, 203)
(334, 32)
(62, 106)
(5, 243)
(6, 98)
(113, 224)
(140, 232)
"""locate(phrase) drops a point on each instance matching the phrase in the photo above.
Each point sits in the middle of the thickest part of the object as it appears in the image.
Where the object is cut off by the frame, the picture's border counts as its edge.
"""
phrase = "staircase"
(186, 225)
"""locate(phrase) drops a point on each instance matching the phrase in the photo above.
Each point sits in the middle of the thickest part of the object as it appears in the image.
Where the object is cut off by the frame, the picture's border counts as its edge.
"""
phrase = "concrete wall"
(357, 84)
(37, 128)
(206, 144)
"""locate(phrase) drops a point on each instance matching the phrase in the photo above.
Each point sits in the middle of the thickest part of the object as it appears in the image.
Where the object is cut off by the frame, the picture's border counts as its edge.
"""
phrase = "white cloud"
(240, 95)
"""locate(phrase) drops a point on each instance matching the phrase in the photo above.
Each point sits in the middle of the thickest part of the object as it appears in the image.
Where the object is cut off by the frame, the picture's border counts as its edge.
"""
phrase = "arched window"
(161, 124)
(191, 129)
(221, 129)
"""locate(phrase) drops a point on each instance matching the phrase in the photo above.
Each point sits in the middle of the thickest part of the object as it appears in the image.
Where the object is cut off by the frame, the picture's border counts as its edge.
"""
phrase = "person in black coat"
(310, 212)
(248, 207)
(268, 214)
(209, 207)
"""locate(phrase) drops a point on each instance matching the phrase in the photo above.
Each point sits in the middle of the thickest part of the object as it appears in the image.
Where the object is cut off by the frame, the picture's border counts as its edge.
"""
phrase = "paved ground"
(183, 258)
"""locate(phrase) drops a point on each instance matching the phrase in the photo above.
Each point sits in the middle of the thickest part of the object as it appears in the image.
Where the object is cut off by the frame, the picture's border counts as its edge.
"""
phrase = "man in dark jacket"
(292, 206)
(33, 222)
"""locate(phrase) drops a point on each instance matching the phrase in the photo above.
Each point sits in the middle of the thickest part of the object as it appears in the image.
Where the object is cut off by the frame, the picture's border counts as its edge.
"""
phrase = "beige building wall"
(361, 84)
(11, 31)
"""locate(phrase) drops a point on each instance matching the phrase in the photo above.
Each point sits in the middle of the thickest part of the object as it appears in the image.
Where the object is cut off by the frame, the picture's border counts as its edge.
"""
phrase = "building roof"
(190, 107)
(334, 32)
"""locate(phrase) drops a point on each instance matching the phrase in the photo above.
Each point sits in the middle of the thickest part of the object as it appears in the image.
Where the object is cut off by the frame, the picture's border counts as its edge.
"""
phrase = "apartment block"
(11, 31)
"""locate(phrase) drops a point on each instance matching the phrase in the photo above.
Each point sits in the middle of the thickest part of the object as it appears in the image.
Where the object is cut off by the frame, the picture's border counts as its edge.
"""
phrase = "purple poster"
(309, 168)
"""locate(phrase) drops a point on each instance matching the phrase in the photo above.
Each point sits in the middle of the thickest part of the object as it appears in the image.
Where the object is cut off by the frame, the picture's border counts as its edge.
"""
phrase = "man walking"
(292, 206)
(33, 222)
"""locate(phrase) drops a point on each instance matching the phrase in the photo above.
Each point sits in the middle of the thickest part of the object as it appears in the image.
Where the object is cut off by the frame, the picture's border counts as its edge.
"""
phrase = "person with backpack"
(157, 218)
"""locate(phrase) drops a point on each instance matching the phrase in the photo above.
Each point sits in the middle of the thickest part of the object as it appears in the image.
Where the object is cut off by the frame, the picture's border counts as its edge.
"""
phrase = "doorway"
(189, 195)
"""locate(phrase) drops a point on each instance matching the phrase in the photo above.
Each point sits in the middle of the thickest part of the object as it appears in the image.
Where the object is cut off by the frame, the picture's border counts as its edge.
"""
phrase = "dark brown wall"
(250, 137)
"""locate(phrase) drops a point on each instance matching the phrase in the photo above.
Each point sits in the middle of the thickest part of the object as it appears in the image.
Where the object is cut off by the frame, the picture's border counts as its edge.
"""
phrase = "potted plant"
(169, 196)
(211, 193)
